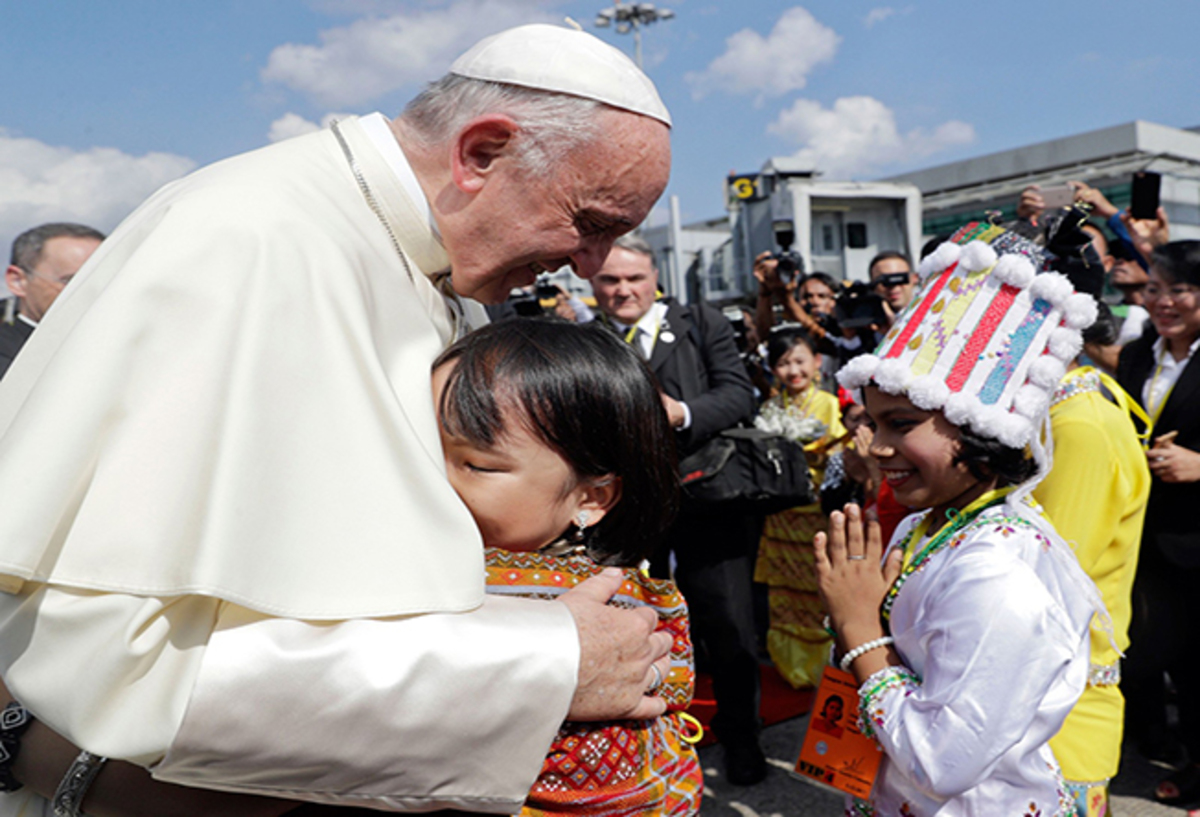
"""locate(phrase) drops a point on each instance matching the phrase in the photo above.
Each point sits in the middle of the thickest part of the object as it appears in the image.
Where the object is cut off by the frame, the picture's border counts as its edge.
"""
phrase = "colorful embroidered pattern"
(536, 575)
(1014, 352)
(951, 535)
(620, 768)
(944, 330)
(871, 712)
(1104, 675)
(1083, 384)
(972, 353)
(977, 231)
(925, 303)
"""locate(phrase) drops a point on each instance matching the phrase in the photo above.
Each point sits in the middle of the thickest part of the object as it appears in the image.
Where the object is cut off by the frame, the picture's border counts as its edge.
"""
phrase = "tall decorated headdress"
(986, 339)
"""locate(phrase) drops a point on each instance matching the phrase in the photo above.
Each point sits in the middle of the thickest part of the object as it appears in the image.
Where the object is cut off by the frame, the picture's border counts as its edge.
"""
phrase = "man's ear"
(479, 144)
(597, 496)
(14, 276)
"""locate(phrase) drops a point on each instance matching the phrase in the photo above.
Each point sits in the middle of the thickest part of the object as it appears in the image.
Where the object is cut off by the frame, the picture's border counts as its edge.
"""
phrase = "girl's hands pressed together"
(851, 578)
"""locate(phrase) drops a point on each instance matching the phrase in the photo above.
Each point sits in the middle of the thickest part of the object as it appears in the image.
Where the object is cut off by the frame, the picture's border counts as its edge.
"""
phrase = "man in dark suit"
(705, 389)
(43, 260)
(1162, 370)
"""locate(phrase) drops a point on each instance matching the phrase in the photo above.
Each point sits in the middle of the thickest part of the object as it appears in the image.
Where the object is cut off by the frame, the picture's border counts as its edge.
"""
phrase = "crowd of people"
(266, 454)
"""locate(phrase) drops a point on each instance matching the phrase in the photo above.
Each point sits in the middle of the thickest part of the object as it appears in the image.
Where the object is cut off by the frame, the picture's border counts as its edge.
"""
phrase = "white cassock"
(229, 549)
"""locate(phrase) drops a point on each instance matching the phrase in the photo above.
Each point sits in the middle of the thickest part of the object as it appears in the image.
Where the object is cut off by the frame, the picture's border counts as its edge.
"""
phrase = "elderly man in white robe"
(230, 553)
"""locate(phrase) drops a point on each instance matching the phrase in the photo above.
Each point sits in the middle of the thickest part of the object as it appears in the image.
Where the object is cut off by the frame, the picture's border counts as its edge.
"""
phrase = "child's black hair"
(587, 395)
(785, 339)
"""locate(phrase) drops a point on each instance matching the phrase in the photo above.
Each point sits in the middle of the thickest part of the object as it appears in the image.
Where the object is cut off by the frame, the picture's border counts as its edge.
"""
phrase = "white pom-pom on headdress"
(1053, 287)
(893, 376)
(858, 372)
(939, 259)
(1011, 429)
(977, 256)
(1079, 311)
(1046, 372)
(1031, 400)
(957, 408)
(1014, 270)
(928, 392)
(1065, 344)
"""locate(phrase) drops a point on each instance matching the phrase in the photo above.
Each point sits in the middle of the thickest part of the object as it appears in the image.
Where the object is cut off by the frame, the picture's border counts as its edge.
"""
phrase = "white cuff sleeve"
(412, 713)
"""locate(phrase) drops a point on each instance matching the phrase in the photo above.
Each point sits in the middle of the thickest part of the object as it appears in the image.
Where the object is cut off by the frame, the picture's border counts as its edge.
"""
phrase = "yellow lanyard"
(1157, 409)
(1127, 404)
(631, 336)
(988, 497)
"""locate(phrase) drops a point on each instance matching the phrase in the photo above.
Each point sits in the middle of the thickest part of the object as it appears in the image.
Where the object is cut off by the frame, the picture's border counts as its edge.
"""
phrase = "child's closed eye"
(482, 469)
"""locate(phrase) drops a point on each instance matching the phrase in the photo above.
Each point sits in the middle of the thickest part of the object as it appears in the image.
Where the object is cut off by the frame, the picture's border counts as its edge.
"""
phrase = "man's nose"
(589, 258)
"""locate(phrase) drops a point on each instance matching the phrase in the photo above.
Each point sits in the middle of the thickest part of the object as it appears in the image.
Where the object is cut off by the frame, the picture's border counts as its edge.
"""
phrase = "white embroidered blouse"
(993, 632)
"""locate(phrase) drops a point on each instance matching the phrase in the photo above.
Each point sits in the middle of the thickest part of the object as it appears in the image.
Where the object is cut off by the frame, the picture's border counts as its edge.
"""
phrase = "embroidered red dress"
(613, 768)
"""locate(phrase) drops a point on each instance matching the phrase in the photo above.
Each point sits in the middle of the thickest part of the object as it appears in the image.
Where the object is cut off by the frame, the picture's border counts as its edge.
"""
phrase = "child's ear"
(598, 495)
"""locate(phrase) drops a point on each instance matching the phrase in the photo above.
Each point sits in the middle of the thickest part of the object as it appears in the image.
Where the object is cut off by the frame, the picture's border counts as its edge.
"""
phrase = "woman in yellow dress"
(797, 640)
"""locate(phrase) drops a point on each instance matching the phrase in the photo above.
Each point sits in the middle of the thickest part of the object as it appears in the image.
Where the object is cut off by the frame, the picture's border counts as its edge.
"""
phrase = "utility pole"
(629, 17)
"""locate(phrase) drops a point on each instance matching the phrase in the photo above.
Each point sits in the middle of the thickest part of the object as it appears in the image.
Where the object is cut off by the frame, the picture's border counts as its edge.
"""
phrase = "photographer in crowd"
(844, 319)
(893, 280)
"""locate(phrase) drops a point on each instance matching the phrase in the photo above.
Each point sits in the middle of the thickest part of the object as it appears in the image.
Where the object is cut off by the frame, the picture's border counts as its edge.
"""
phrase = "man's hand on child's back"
(616, 650)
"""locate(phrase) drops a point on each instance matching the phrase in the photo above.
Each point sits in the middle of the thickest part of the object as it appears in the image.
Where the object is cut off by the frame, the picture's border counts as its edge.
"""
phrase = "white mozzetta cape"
(226, 517)
(233, 400)
(993, 632)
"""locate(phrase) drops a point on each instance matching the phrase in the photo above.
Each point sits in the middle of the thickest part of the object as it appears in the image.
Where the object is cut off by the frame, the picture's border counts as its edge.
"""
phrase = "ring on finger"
(658, 679)
(856, 557)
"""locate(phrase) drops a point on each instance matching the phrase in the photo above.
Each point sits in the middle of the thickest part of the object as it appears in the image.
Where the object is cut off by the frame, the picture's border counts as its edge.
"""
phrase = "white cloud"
(858, 135)
(374, 56)
(97, 186)
(293, 124)
(878, 15)
(771, 65)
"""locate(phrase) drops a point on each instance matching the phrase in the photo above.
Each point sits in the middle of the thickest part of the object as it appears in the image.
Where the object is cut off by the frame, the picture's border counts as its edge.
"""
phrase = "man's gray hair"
(635, 243)
(28, 247)
(552, 125)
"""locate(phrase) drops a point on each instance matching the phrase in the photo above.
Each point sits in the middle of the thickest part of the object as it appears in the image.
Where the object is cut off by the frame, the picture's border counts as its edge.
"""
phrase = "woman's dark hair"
(1178, 261)
(986, 458)
(587, 395)
(785, 339)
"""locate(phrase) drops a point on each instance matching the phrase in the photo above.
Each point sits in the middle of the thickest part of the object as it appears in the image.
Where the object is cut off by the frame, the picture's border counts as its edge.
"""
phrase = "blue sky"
(103, 102)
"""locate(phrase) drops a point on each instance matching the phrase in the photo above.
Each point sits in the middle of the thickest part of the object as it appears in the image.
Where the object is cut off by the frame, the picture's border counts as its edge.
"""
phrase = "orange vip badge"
(834, 752)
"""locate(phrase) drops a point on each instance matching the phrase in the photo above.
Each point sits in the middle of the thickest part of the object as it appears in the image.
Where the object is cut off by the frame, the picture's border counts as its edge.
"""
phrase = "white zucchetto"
(565, 61)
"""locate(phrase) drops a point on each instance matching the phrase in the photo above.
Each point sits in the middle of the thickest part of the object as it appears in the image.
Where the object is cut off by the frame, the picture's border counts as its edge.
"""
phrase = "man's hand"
(563, 309)
(674, 411)
(766, 272)
(1147, 234)
(1101, 206)
(1031, 203)
(616, 650)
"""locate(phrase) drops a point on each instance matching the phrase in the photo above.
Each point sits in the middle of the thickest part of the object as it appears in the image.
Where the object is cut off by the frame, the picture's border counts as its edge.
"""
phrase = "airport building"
(1106, 159)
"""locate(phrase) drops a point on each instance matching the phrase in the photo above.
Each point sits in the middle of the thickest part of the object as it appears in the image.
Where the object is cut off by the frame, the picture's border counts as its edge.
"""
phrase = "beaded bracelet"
(14, 720)
(863, 649)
